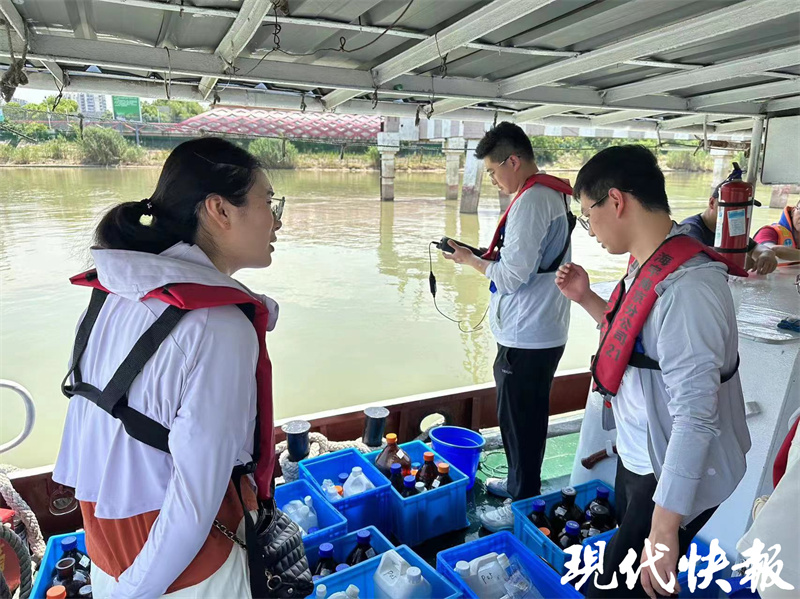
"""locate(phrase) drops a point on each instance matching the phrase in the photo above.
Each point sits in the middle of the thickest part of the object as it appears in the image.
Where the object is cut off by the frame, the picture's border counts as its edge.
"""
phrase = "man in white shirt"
(528, 315)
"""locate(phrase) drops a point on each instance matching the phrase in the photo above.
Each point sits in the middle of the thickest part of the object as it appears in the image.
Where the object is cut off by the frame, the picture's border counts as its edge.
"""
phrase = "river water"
(357, 323)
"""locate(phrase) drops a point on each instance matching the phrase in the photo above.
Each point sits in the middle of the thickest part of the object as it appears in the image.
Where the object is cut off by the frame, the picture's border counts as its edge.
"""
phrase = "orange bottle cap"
(444, 468)
(57, 592)
(391, 438)
(545, 531)
(428, 455)
(339, 489)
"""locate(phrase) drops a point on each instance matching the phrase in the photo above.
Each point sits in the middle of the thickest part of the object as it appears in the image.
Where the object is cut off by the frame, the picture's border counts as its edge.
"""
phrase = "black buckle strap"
(640, 360)
(571, 221)
(82, 340)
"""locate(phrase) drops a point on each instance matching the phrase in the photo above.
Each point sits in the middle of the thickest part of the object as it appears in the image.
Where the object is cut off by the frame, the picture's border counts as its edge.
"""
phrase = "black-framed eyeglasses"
(277, 207)
(584, 220)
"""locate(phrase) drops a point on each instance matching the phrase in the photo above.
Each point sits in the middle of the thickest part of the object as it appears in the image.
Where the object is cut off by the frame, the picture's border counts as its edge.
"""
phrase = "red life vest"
(550, 181)
(191, 296)
(627, 312)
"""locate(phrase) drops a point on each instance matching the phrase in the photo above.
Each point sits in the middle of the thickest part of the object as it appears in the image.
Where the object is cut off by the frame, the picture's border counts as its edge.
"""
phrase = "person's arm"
(762, 259)
(573, 281)
(786, 253)
(206, 438)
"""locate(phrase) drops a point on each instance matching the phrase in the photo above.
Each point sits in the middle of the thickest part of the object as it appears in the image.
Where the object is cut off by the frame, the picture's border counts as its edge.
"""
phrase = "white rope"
(17, 503)
(318, 445)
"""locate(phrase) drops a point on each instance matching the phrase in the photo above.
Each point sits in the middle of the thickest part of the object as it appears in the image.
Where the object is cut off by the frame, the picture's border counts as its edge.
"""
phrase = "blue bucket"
(459, 446)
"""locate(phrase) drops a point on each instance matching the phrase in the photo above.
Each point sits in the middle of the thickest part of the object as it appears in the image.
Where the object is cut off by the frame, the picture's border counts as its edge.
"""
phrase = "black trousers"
(524, 378)
(635, 507)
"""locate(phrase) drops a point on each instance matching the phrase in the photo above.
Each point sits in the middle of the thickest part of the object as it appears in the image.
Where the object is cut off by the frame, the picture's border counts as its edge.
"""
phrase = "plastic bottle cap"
(356, 471)
(409, 481)
(315, 578)
(599, 511)
(322, 590)
(341, 567)
(56, 592)
(363, 537)
(538, 505)
(326, 550)
(416, 466)
(85, 590)
(391, 438)
(414, 575)
(572, 528)
(428, 455)
(568, 492)
(462, 568)
(444, 468)
(352, 591)
(343, 476)
(420, 487)
(502, 559)
(588, 514)
(69, 543)
(308, 501)
(602, 493)
(313, 529)
(339, 489)
(395, 468)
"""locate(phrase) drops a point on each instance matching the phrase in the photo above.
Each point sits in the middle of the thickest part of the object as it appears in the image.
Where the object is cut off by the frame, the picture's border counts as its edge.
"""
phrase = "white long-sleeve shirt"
(200, 384)
(528, 311)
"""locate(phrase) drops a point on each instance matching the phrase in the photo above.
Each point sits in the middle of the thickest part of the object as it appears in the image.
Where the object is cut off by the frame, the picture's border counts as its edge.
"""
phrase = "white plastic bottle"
(356, 483)
(395, 578)
(413, 585)
(487, 577)
(311, 515)
(352, 592)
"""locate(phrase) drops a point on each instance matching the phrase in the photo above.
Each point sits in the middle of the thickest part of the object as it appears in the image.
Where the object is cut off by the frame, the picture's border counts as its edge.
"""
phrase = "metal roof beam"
(449, 105)
(244, 27)
(740, 125)
(17, 23)
(540, 112)
(745, 94)
(716, 23)
(482, 21)
(619, 116)
(232, 96)
(685, 121)
(182, 63)
(784, 104)
(719, 72)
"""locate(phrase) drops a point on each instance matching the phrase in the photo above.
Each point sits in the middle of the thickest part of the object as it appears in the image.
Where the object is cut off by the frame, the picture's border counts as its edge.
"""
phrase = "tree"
(179, 110)
(64, 106)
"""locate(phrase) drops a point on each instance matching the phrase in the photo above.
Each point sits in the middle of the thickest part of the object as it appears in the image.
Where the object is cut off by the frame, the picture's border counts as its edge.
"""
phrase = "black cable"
(432, 283)
(342, 40)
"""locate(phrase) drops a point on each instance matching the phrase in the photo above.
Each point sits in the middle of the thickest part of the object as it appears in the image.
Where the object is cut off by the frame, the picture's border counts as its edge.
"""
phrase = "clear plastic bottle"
(390, 454)
(331, 494)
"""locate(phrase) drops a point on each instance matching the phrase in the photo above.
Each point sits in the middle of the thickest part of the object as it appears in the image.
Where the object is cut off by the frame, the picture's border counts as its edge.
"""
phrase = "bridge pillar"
(473, 177)
(388, 146)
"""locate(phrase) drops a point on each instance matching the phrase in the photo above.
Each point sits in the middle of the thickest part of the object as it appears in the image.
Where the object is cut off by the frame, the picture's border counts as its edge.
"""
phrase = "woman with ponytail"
(154, 431)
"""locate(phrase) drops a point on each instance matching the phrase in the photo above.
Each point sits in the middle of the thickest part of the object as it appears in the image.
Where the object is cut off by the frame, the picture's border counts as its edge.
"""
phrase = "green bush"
(27, 154)
(689, 161)
(6, 153)
(133, 154)
(270, 152)
(103, 146)
(57, 149)
(374, 156)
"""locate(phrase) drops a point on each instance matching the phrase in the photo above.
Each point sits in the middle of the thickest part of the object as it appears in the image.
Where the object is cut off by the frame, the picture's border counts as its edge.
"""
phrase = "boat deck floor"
(556, 469)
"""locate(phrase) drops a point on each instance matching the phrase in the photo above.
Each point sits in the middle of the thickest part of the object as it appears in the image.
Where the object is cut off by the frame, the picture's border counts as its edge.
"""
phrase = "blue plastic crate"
(361, 576)
(537, 541)
(344, 545)
(52, 554)
(421, 517)
(331, 523)
(370, 508)
(546, 581)
(710, 592)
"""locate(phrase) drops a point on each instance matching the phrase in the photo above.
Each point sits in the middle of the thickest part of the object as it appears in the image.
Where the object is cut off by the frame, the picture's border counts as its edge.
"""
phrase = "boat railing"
(30, 414)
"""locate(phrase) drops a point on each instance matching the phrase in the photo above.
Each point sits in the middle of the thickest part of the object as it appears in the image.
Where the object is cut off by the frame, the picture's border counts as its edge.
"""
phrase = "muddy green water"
(351, 275)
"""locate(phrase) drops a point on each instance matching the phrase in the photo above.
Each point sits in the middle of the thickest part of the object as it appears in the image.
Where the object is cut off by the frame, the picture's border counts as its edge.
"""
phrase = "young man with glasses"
(667, 367)
(529, 317)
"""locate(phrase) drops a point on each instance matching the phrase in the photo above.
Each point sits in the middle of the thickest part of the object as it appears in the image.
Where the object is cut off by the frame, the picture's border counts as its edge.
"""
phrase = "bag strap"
(571, 221)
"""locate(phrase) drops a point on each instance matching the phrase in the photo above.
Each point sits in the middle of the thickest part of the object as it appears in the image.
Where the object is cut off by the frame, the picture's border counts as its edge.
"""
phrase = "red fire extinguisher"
(734, 214)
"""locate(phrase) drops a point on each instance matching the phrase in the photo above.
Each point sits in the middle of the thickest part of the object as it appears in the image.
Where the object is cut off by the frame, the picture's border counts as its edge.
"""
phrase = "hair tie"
(147, 207)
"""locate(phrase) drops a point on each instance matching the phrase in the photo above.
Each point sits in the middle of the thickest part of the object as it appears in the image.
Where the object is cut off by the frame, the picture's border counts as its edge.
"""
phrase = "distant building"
(90, 104)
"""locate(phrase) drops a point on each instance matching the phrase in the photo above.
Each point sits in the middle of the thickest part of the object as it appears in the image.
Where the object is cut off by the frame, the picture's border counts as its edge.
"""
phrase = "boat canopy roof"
(695, 67)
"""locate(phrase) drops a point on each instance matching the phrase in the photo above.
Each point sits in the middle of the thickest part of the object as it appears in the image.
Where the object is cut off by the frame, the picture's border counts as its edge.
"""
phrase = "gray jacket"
(697, 433)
